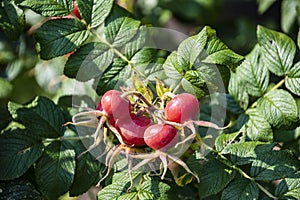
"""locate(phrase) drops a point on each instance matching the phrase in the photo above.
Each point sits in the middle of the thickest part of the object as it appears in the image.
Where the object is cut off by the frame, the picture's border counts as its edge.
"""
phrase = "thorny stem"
(278, 85)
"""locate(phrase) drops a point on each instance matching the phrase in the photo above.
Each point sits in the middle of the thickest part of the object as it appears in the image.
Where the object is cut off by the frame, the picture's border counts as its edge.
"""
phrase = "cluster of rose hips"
(140, 125)
(138, 129)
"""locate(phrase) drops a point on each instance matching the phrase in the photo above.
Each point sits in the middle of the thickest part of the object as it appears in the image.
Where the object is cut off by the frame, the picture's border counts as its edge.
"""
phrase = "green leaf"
(140, 60)
(140, 86)
(293, 79)
(191, 48)
(241, 121)
(6, 88)
(279, 108)
(237, 88)
(55, 170)
(298, 39)
(49, 7)
(124, 177)
(286, 135)
(5, 118)
(161, 89)
(214, 176)
(253, 71)
(148, 189)
(244, 152)
(89, 61)
(241, 189)
(202, 81)
(136, 43)
(231, 105)
(115, 75)
(152, 189)
(274, 165)
(172, 68)
(264, 5)
(218, 53)
(120, 27)
(41, 117)
(289, 14)
(224, 140)
(60, 36)
(194, 82)
(116, 190)
(12, 20)
(155, 71)
(18, 151)
(278, 50)
(207, 48)
(94, 12)
(289, 187)
(258, 128)
(86, 172)
(19, 189)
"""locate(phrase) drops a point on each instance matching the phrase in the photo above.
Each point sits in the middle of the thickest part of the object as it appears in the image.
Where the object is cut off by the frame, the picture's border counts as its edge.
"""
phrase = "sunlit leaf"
(49, 7)
(94, 12)
(279, 108)
(289, 187)
(278, 50)
(258, 128)
(255, 73)
(293, 79)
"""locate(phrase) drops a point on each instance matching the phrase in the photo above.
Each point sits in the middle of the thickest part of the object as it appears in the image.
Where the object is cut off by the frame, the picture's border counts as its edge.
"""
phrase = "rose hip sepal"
(181, 108)
(161, 136)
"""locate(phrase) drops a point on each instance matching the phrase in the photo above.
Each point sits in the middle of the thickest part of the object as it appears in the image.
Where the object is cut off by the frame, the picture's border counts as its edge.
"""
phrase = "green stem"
(177, 87)
(123, 57)
(117, 52)
(266, 191)
(258, 185)
(278, 85)
(66, 138)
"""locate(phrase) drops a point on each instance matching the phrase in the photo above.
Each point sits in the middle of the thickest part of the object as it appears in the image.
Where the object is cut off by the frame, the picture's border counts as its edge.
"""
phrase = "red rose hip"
(115, 105)
(75, 11)
(132, 130)
(161, 136)
(182, 107)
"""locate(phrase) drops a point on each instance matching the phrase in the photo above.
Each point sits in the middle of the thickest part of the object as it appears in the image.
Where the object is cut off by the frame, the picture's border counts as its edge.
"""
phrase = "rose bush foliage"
(255, 157)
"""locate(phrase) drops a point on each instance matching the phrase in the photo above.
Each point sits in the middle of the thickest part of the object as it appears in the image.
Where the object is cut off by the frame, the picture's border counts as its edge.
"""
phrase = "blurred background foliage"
(23, 75)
